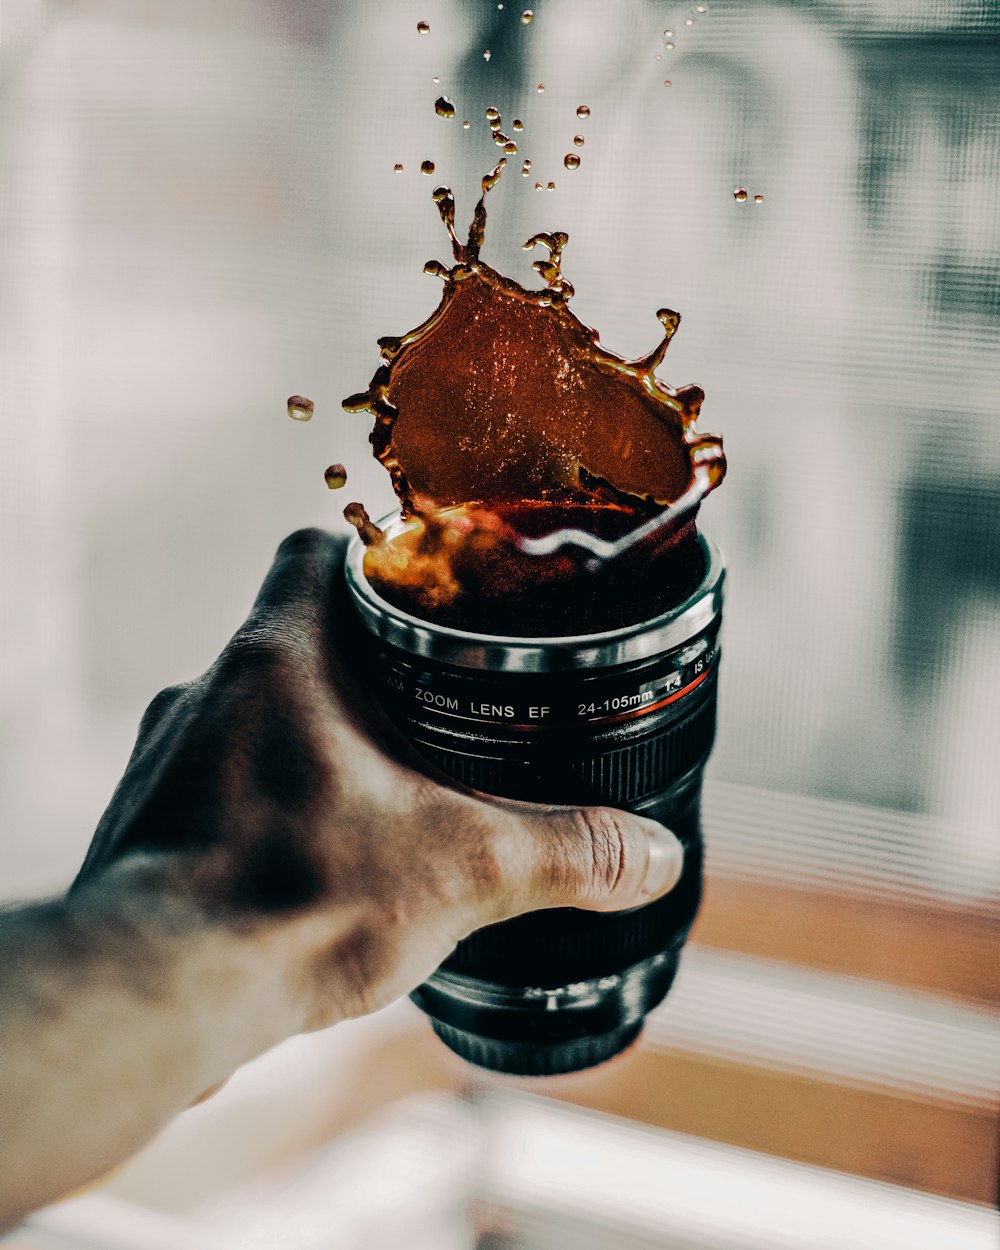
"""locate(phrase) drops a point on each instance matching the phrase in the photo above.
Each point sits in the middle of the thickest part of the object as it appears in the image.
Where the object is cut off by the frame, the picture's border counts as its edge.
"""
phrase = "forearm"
(119, 1005)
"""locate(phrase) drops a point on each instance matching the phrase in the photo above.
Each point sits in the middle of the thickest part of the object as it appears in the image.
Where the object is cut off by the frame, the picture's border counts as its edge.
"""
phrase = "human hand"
(276, 858)
(274, 794)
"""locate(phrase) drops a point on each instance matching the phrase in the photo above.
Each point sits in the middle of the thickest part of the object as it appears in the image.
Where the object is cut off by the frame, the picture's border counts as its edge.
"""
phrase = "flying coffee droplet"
(300, 408)
(657, 57)
(583, 111)
(578, 140)
(487, 54)
(689, 21)
(758, 199)
(667, 82)
(423, 28)
(492, 113)
(552, 186)
(499, 6)
(435, 79)
(740, 195)
(517, 124)
(397, 168)
(368, 531)
(444, 107)
(571, 160)
(667, 34)
(426, 167)
(700, 8)
(527, 17)
(510, 148)
(540, 88)
(539, 187)
(670, 46)
(335, 476)
(466, 125)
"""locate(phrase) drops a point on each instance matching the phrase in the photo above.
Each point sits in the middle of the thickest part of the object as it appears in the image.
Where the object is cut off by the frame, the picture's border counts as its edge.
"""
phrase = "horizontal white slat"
(837, 1028)
(822, 843)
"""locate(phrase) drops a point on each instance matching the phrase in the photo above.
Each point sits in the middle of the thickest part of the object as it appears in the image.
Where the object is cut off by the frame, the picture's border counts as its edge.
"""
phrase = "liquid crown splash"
(523, 452)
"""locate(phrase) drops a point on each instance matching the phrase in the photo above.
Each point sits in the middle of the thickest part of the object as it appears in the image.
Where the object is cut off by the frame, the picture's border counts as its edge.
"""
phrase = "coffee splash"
(541, 476)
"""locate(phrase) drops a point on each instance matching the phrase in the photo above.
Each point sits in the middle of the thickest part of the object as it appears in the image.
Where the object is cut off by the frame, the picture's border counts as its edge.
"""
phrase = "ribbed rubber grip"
(529, 1058)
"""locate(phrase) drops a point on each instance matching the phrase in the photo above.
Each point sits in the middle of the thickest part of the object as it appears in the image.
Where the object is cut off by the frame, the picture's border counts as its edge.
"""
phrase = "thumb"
(595, 858)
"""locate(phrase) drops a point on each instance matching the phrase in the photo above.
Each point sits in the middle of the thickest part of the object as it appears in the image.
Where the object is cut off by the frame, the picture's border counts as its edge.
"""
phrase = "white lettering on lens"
(436, 700)
(538, 713)
(495, 711)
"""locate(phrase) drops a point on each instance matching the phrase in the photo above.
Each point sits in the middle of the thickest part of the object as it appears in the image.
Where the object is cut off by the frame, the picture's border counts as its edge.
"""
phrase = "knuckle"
(458, 856)
(257, 651)
(611, 855)
(161, 705)
(304, 542)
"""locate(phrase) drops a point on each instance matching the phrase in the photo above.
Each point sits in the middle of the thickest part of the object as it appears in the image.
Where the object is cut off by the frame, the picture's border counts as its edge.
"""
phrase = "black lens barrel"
(624, 719)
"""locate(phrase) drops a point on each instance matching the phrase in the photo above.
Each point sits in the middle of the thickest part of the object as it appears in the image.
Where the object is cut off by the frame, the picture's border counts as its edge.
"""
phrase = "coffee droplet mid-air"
(336, 476)
(300, 408)
(571, 160)
(444, 107)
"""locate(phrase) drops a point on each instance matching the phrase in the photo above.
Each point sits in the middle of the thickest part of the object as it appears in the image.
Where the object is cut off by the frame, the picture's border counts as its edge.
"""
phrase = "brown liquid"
(502, 417)
(300, 408)
(464, 568)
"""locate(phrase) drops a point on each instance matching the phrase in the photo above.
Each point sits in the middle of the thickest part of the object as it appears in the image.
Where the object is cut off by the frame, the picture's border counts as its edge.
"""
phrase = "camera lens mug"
(623, 718)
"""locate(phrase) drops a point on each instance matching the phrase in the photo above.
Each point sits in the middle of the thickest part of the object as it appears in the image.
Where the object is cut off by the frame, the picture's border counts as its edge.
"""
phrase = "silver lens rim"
(496, 653)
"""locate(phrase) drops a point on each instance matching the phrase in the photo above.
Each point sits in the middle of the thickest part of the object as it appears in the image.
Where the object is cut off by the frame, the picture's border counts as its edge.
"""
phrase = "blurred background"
(199, 216)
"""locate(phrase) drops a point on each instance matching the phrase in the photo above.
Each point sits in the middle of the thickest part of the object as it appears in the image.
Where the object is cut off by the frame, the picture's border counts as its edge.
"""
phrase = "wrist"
(239, 980)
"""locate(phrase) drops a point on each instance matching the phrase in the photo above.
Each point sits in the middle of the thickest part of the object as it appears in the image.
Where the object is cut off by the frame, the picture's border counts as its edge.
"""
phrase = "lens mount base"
(544, 1032)
(530, 1059)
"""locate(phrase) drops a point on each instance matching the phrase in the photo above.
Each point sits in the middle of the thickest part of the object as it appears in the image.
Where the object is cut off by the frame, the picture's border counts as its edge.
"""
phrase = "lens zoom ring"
(598, 771)
(629, 773)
